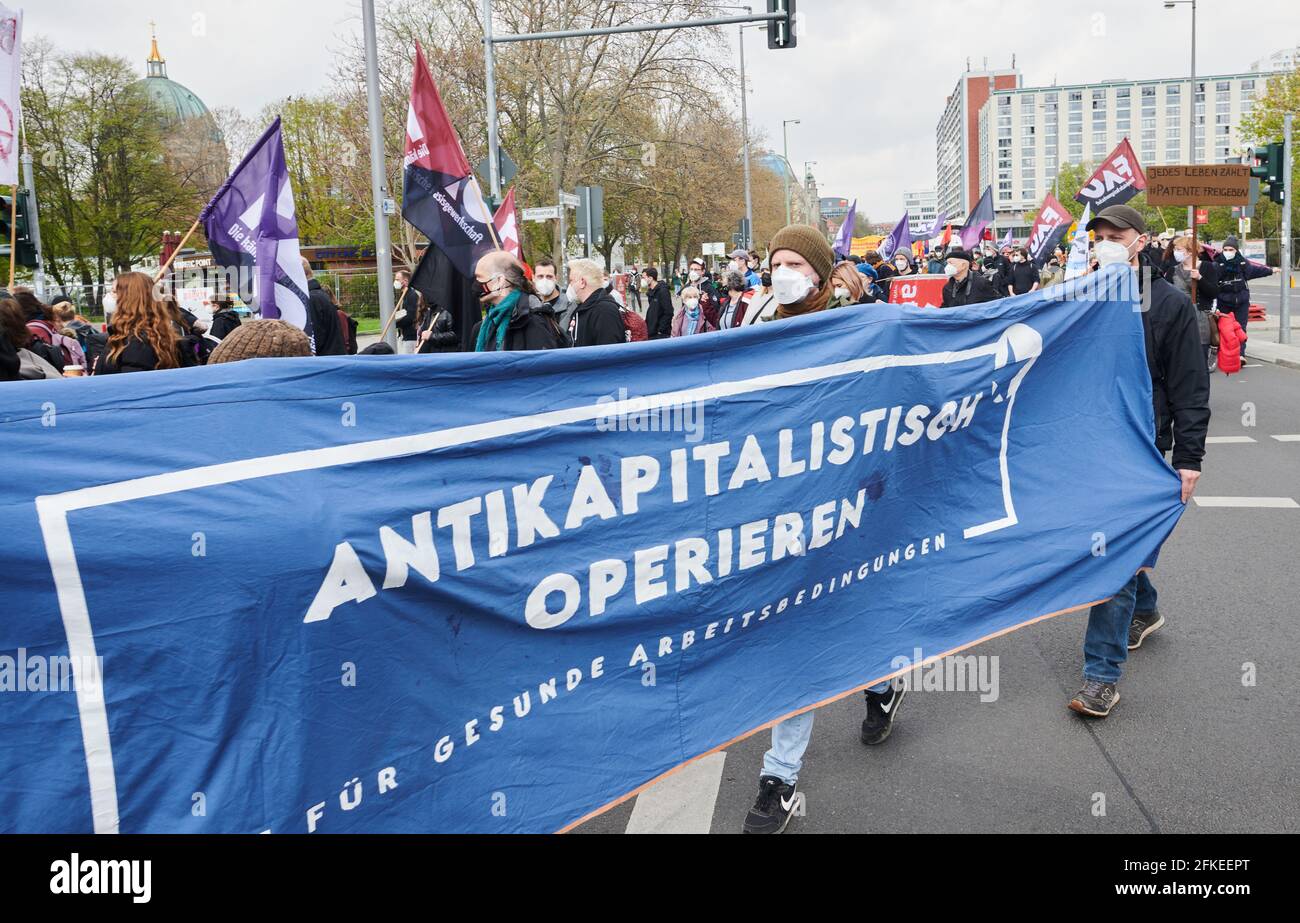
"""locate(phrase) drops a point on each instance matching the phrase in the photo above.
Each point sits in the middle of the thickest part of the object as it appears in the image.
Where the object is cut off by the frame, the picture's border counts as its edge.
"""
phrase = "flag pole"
(175, 253)
(13, 237)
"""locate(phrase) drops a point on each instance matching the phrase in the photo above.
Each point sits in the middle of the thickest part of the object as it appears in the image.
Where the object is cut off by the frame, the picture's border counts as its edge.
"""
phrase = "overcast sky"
(868, 80)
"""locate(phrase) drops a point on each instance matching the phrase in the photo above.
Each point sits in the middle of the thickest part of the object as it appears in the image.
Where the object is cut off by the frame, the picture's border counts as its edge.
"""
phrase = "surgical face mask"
(1229, 254)
(691, 304)
(397, 285)
(950, 270)
(695, 275)
(571, 294)
(1180, 256)
(1111, 253)
(841, 292)
(1016, 259)
(545, 287)
(790, 286)
(901, 264)
(110, 303)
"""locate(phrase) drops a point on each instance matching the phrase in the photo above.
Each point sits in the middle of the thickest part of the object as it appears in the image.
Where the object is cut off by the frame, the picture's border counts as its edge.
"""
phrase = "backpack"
(50, 353)
(93, 343)
(635, 326)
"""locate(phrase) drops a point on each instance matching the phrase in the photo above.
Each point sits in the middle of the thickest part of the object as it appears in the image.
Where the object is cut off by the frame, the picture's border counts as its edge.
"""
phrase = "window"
(1247, 86)
(1122, 93)
(1223, 86)
(1148, 124)
(1004, 101)
(1173, 90)
(1148, 92)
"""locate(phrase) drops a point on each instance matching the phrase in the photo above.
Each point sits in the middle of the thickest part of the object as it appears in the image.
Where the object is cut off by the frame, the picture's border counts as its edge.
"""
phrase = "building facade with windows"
(958, 139)
(922, 209)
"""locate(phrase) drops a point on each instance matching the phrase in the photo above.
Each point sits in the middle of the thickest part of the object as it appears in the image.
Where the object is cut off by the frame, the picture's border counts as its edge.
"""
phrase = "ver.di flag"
(11, 74)
(252, 227)
(1117, 180)
(441, 196)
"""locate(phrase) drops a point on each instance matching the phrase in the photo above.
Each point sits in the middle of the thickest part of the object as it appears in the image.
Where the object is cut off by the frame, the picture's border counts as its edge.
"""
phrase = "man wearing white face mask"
(546, 282)
(1181, 397)
(964, 285)
(408, 311)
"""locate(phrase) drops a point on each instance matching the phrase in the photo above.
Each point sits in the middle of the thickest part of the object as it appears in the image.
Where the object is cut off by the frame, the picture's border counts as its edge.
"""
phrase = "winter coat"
(410, 303)
(35, 368)
(974, 289)
(324, 322)
(1234, 275)
(443, 337)
(224, 323)
(138, 356)
(659, 312)
(9, 361)
(702, 326)
(1180, 381)
(1231, 340)
(598, 321)
(532, 326)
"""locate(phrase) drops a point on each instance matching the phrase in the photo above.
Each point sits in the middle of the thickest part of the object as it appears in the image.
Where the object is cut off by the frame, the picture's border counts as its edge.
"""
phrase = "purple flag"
(844, 243)
(252, 227)
(972, 232)
(938, 226)
(899, 239)
(1007, 241)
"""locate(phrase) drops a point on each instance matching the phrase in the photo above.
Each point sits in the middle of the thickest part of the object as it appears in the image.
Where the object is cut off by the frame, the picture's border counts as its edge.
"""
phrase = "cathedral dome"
(177, 105)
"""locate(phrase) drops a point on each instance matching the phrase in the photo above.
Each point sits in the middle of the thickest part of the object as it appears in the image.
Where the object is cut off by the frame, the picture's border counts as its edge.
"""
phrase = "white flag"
(11, 76)
(1078, 263)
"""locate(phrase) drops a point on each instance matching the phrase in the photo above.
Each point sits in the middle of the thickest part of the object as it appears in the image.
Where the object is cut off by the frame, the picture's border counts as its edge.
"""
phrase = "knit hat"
(809, 243)
(1233, 243)
(261, 339)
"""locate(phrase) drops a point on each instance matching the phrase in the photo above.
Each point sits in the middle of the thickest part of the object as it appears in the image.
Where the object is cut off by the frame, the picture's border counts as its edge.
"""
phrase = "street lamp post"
(785, 134)
(744, 127)
(1191, 138)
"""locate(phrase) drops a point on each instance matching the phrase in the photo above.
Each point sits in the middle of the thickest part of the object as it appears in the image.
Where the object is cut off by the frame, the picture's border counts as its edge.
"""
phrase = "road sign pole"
(494, 144)
(1284, 311)
(378, 179)
(33, 221)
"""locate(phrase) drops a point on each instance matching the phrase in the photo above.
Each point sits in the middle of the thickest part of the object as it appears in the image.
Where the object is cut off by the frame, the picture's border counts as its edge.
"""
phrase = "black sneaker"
(882, 709)
(1095, 699)
(772, 811)
(1144, 625)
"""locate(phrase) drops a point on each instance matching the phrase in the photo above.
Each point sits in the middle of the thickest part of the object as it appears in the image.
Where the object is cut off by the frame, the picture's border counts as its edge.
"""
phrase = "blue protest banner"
(503, 592)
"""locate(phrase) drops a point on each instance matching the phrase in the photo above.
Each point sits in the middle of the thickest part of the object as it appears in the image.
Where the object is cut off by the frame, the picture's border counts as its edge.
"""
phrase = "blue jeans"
(1105, 646)
(789, 743)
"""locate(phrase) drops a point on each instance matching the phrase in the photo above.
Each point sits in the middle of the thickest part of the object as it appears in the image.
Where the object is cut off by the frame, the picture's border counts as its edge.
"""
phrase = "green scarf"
(497, 320)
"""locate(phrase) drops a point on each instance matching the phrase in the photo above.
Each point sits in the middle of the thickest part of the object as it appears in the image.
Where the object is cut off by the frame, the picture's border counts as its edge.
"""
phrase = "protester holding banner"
(965, 285)
(1235, 272)
(850, 286)
(1183, 268)
(514, 318)
(1024, 277)
(736, 301)
(1181, 395)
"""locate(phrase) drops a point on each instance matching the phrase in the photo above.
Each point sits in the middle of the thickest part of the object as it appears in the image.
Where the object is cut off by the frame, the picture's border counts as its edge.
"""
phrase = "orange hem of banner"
(833, 699)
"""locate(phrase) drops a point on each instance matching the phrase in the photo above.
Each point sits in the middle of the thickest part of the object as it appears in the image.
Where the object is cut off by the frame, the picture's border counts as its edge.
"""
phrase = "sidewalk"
(1263, 344)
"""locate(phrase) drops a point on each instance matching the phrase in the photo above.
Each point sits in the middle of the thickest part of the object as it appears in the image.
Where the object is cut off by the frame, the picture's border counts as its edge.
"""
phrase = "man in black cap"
(965, 286)
(1181, 390)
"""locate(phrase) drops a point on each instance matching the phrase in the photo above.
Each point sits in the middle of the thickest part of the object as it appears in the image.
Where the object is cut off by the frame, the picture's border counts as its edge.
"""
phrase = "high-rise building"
(922, 210)
(957, 139)
(1285, 60)
(1026, 134)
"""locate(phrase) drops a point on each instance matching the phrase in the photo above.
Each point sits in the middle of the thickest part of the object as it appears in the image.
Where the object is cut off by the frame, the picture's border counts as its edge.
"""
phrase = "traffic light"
(1270, 169)
(781, 32)
(26, 247)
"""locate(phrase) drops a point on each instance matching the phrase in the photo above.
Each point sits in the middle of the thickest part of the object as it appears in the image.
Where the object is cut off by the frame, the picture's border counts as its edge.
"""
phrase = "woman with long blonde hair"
(142, 336)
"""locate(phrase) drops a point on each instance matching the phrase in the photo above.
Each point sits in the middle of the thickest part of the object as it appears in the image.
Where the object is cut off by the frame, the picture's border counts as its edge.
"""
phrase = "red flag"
(507, 225)
(947, 237)
(1117, 180)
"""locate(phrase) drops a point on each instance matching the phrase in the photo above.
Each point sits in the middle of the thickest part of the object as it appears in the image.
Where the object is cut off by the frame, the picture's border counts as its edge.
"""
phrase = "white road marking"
(1253, 503)
(1229, 440)
(683, 802)
(1287, 438)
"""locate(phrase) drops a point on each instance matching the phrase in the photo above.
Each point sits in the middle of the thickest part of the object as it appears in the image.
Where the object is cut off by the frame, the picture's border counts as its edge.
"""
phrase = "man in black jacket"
(598, 318)
(1181, 396)
(659, 306)
(408, 301)
(964, 285)
(326, 334)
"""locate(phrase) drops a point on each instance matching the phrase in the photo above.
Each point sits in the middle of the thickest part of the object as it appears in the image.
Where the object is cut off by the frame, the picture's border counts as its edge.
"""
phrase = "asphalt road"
(1189, 749)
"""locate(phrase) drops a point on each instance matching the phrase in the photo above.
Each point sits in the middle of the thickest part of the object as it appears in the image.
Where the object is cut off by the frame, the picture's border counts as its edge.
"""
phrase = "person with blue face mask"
(1180, 385)
(1235, 272)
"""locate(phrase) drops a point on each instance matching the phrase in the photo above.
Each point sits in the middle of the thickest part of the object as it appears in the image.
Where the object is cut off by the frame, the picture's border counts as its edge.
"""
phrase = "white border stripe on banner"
(1248, 503)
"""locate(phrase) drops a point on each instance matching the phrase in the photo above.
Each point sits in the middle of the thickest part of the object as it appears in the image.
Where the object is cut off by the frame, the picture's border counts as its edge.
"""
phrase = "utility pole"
(744, 127)
(1284, 312)
(378, 177)
(494, 143)
(33, 222)
(785, 134)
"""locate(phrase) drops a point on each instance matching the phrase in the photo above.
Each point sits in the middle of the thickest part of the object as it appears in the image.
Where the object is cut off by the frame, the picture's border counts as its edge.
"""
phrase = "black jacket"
(659, 312)
(1207, 286)
(224, 323)
(1180, 381)
(9, 363)
(411, 304)
(599, 321)
(443, 337)
(139, 356)
(1233, 276)
(974, 289)
(532, 326)
(1023, 277)
(324, 322)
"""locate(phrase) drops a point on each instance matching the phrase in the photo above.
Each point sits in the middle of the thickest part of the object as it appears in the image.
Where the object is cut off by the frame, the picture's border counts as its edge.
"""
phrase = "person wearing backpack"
(514, 318)
(51, 345)
(598, 318)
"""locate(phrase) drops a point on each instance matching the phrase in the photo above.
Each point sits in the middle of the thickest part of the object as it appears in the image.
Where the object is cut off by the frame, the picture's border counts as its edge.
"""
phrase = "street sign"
(549, 213)
(591, 216)
(509, 169)
(568, 200)
(1199, 184)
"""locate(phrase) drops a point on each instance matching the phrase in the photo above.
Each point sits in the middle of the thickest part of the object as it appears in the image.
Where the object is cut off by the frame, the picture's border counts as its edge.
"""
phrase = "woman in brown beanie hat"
(802, 262)
(262, 339)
